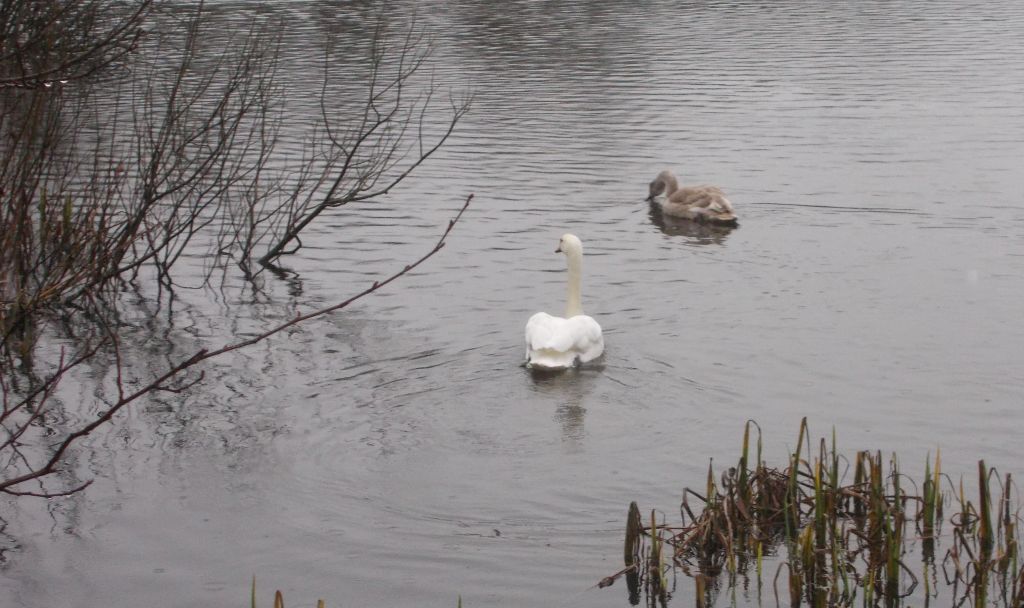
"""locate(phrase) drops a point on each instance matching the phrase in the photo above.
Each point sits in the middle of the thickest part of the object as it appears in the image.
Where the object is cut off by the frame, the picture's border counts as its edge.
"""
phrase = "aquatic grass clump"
(832, 542)
(984, 557)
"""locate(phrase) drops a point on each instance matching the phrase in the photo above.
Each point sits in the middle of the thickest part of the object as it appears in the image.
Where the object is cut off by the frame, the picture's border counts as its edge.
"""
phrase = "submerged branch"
(56, 458)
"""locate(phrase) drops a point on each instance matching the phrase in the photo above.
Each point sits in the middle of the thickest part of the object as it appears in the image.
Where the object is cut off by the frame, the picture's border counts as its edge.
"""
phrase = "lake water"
(397, 454)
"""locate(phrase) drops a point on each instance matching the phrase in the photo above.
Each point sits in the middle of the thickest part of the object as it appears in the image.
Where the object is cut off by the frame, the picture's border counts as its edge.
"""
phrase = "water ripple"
(872, 150)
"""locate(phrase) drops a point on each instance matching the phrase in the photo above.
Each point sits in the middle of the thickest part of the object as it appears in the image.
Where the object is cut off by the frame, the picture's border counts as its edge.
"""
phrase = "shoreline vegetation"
(808, 535)
(138, 135)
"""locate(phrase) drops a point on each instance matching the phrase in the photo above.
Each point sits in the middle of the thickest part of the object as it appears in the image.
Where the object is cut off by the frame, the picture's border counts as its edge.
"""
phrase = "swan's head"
(569, 243)
(659, 184)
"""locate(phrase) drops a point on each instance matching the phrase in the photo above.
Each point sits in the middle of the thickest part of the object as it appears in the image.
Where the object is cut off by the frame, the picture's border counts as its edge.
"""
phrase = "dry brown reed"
(836, 542)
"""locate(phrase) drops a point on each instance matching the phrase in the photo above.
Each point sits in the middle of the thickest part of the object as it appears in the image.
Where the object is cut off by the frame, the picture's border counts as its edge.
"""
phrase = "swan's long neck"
(573, 306)
(671, 183)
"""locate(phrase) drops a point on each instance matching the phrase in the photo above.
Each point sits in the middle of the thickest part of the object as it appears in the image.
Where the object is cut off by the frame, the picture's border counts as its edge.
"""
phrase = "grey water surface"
(396, 454)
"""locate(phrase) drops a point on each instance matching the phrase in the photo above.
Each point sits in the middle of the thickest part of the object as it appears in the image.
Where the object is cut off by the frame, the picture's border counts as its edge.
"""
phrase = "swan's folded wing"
(701, 198)
(545, 332)
(588, 340)
(555, 342)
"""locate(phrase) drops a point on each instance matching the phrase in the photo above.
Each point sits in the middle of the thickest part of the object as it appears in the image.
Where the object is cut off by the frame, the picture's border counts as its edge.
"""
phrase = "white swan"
(698, 203)
(559, 343)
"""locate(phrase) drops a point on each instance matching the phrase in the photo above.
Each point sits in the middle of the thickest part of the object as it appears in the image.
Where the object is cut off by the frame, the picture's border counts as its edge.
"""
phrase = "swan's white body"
(697, 203)
(557, 342)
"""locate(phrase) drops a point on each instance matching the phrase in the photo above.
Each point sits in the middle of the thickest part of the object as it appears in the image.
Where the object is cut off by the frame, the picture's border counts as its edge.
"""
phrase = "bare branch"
(56, 458)
(368, 153)
(31, 56)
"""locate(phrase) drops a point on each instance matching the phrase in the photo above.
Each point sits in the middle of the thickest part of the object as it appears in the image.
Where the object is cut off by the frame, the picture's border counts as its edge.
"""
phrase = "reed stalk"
(845, 543)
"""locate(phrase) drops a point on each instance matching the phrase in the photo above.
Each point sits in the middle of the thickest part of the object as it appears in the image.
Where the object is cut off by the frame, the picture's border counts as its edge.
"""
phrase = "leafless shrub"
(182, 155)
(48, 42)
(22, 415)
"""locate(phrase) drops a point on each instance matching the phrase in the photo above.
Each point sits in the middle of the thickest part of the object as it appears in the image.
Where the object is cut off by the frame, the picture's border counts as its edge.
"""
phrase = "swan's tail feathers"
(550, 359)
(717, 217)
(723, 219)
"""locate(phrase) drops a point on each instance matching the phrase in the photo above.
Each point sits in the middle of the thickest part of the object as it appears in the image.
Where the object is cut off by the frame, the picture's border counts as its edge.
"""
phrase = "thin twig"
(158, 384)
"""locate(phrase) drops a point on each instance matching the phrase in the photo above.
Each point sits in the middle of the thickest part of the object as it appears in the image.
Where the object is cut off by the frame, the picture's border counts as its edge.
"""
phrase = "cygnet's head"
(657, 186)
(569, 243)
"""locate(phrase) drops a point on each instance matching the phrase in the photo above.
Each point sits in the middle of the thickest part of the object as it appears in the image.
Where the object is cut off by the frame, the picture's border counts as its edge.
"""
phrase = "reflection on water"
(873, 149)
(697, 233)
(568, 389)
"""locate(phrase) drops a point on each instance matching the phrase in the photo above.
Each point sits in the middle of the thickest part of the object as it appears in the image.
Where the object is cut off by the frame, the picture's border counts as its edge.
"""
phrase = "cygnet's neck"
(573, 306)
(671, 183)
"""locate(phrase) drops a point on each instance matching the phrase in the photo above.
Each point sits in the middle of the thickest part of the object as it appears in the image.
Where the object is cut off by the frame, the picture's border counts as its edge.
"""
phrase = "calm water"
(397, 454)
